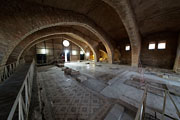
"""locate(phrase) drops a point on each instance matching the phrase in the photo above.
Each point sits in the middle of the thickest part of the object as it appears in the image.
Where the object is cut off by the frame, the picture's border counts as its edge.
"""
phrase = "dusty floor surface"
(91, 99)
(70, 100)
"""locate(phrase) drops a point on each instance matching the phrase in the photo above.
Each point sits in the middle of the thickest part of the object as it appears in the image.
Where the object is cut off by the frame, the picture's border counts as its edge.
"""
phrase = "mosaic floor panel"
(70, 100)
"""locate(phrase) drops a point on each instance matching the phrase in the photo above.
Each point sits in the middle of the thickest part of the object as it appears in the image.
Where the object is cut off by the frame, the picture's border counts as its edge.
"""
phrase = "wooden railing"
(140, 115)
(22, 102)
(7, 70)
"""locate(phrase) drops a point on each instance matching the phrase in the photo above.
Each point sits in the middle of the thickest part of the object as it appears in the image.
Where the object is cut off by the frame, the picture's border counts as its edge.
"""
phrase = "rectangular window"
(162, 45)
(152, 46)
(74, 52)
(81, 52)
(127, 48)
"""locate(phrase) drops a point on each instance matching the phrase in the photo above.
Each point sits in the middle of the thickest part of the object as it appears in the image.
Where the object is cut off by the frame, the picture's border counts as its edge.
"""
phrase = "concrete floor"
(93, 98)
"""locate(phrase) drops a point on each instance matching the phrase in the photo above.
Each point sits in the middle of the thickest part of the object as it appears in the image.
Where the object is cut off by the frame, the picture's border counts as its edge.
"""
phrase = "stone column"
(125, 12)
(135, 55)
(96, 55)
(177, 60)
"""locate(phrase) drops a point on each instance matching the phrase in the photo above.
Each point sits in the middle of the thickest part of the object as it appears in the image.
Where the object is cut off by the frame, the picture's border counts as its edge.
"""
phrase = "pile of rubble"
(75, 74)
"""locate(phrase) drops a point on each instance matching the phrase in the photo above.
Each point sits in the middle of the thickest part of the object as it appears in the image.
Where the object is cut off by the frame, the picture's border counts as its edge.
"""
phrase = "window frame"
(150, 44)
(74, 52)
(127, 49)
(161, 42)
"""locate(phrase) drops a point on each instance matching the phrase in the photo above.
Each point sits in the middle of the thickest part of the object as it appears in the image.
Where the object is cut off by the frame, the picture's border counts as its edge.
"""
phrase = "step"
(94, 84)
(115, 113)
(121, 75)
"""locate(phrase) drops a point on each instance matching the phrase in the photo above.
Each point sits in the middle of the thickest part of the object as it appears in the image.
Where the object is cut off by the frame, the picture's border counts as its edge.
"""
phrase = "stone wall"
(76, 56)
(159, 58)
(30, 54)
(125, 56)
(54, 49)
(19, 20)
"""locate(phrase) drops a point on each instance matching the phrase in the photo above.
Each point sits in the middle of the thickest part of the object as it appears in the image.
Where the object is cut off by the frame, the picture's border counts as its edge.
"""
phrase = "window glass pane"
(152, 46)
(127, 48)
(74, 52)
(42, 51)
(161, 45)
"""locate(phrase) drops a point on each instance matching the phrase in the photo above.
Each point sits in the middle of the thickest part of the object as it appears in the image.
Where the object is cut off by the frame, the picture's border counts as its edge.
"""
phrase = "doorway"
(81, 56)
(68, 56)
(41, 58)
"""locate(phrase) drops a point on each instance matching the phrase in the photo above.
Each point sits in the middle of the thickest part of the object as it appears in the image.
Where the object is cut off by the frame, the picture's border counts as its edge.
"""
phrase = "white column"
(66, 52)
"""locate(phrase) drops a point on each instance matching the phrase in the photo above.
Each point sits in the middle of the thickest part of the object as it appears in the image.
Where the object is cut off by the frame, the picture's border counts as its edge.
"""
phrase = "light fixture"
(74, 52)
(66, 43)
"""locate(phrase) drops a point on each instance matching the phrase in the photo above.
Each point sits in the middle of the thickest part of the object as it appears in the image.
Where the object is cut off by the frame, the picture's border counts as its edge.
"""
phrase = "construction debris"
(81, 78)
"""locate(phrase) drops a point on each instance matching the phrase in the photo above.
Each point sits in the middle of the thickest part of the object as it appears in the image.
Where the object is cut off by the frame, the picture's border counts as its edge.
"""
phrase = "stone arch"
(103, 55)
(125, 12)
(46, 32)
(73, 40)
(68, 18)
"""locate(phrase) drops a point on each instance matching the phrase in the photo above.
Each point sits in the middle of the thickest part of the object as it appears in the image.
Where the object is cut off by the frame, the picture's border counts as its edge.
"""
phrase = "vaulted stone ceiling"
(157, 15)
(151, 15)
(21, 18)
(114, 20)
(101, 13)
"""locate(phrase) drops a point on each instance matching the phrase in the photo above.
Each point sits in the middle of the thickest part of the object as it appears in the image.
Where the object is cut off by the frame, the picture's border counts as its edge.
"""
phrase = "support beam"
(177, 60)
(52, 31)
(125, 12)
